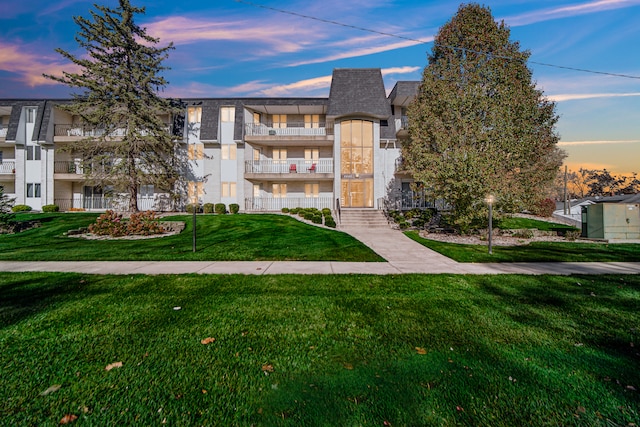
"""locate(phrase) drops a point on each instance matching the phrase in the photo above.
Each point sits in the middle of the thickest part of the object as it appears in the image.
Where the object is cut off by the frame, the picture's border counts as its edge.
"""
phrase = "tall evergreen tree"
(120, 75)
(478, 125)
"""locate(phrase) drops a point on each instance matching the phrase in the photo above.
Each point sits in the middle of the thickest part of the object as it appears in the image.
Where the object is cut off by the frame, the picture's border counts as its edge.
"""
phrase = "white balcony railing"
(276, 204)
(291, 129)
(7, 167)
(86, 131)
(288, 166)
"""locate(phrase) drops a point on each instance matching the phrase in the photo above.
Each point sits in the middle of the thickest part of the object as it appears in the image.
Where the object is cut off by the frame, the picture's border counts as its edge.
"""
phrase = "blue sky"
(231, 48)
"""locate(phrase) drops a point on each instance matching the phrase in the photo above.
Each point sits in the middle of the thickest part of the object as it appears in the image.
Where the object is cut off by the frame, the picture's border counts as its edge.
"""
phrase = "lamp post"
(194, 205)
(490, 200)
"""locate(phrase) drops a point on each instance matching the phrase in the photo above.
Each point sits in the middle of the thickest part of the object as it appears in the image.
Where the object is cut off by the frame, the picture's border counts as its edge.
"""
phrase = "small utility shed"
(611, 221)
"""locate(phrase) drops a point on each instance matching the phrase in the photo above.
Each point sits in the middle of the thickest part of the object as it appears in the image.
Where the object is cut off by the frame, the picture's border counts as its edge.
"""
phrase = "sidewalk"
(403, 256)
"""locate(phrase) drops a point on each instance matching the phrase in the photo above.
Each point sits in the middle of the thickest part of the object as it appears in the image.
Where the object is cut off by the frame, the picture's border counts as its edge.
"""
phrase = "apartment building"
(261, 153)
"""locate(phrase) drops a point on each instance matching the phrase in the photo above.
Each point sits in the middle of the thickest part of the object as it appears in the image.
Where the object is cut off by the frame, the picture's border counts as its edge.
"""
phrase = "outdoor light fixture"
(490, 199)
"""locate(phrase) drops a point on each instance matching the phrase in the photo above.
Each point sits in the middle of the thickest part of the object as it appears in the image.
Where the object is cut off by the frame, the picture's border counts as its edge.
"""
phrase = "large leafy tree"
(120, 74)
(478, 124)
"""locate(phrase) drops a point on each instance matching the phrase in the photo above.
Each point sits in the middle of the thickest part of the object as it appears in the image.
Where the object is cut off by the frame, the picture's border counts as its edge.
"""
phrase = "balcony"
(3, 133)
(67, 170)
(294, 132)
(402, 126)
(102, 203)
(75, 132)
(7, 170)
(289, 170)
(252, 204)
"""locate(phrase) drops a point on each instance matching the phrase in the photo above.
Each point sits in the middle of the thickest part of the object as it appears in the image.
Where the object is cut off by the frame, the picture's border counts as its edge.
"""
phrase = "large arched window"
(356, 159)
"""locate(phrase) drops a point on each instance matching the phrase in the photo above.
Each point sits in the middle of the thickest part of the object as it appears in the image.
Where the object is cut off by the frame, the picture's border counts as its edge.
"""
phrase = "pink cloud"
(29, 67)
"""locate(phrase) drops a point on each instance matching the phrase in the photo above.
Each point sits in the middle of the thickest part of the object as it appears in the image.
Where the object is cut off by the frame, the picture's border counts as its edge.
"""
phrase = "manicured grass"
(320, 350)
(219, 238)
(535, 251)
(514, 223)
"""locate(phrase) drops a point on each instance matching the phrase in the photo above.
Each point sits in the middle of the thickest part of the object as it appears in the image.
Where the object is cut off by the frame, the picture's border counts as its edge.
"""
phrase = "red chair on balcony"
(293, 168)
(312, 169)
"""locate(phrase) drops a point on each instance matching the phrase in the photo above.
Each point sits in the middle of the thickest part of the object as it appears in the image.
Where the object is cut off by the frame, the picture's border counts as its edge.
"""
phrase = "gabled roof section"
(403, 92)
(358, 91)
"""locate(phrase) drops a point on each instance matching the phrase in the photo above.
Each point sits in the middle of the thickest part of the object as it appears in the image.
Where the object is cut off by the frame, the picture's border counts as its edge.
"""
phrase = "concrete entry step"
(363, 218)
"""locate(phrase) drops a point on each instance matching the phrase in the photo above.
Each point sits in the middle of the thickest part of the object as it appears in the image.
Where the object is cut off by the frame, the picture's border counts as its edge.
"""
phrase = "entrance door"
(357, 193)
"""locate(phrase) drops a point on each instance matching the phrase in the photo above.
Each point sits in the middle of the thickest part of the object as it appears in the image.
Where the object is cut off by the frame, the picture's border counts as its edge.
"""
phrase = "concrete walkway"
(403, 256)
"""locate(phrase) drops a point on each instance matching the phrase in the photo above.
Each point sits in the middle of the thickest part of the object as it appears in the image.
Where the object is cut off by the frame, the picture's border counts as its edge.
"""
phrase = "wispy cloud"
(302, 86)
(580, 96)
(185, 30)
(575, 143)
(362, 51)
(399, 70)
(29, 67)
(568, 11)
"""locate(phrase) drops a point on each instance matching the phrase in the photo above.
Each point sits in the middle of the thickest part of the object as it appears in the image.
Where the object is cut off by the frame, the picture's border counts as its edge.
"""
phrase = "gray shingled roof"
(358, 91)
(403, 92)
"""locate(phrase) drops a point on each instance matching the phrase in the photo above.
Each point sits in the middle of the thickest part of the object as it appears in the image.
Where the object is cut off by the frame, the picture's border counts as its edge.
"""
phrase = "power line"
(398, 36)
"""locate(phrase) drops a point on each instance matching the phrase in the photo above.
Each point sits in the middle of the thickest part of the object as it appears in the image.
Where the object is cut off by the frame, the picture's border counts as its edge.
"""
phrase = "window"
(195, 191)
(311, 121)
(279, 155)
(312, 190)
(33, 190)
(146, 191)
(311, 155)
(256, 190)
(256, 154)
(34, 152)
(196, 151)
(256, 118)
(279, 191)
(31, 115)
(228, 189)
(229, 152)
(228, 114)
(195, 114)
(279, 121)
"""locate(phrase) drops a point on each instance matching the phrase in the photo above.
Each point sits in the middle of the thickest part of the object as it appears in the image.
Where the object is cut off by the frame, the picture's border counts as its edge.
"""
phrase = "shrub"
(294, 211)
(112, 224)
(234, 208)
(286, 210)
(524, 233)
(316, 219)
(21, 208)
(329, 222)
(326, 212)
(544, 207)
(221, 208)
(308, 216)
(109, 223)
(403, 224)
(194, 206)
(301, 212)
(208, 208)
(50, 208)
(572, 235)
(144, 223)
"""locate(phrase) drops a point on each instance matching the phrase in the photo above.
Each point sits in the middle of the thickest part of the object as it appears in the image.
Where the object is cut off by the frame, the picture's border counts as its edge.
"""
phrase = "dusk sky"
(229, 48)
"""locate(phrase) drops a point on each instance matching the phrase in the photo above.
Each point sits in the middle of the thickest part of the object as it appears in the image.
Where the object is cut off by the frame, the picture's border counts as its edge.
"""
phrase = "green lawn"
(535, 251)
(511, 223)
(320, 350)
(219, 238)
